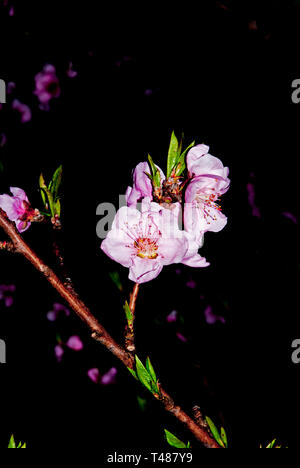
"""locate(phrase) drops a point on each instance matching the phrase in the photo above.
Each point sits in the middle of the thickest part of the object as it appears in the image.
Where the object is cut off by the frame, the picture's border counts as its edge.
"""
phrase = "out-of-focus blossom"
(71, 73)
(290, 216)
(251, 200)
(46, 86)
(209, 182)
(110, 377)
(181, 337)
(18, 208)
(11, 85)
(74, 343)
(94, 374)
(191, 284)
(11, 11)
(212, 318)
(6, 294)
(3, 140)
(57, 309)
(59, 351)
(145, 242)
(172, 317)
(24, 110)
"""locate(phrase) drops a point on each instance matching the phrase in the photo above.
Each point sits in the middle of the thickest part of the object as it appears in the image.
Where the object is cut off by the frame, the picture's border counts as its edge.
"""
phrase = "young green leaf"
(133, 373)
(172, 154)
(128, 313)
(180, 163)
(56, 182)
(174, 441)
(12, 443)
(214, 431)
(143, 375)
(155, 172)
(142, 402)
(224, 437)
(150, 369)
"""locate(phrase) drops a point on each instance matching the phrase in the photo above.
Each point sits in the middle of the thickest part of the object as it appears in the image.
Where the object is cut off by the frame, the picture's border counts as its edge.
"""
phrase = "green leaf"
(214, 431)
(115, 277)
(128, 313)
(56, 182)
(143, 375)
(174, 441)
(172, 154)
(188, 445)
(180, 163)
(224, 437)
(12, 443)
(133, 373)
(43, 188)
(271, 444)
(155, 172)
(150, 369)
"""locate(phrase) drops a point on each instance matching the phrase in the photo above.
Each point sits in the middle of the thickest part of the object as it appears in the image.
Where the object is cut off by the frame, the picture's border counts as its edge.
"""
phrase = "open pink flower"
(209, 182)
(46, 86)
(142, 185)
(145, 241)
(18, 208)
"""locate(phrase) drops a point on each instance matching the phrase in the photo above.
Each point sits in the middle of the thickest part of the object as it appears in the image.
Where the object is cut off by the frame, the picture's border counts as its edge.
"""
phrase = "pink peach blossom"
(145, 241)
(18, 208)
(209, 181)
(110, 377)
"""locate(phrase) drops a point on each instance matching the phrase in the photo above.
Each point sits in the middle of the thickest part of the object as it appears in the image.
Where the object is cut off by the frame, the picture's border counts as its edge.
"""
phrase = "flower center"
(207, 202)
(146, 248)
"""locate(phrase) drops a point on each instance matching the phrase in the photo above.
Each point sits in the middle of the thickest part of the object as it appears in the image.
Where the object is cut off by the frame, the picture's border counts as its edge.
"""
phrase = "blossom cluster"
(166, 217)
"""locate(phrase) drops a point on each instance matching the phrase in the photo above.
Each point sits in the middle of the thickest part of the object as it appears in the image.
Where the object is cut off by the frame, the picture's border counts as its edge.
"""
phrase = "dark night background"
(222, 73)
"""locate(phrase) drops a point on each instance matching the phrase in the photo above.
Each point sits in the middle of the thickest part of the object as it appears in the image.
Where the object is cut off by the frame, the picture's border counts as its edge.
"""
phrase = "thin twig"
(98, 331)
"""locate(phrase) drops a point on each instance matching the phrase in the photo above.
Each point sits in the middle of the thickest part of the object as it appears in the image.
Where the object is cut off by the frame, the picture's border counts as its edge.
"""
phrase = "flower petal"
(144, 269)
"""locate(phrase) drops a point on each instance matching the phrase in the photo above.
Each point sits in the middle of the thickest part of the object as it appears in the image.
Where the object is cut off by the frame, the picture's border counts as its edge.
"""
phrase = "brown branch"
(129, 332)
(98, 331)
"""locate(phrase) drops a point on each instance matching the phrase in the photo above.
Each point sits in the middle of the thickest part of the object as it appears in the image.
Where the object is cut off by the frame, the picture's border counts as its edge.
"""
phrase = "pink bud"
(94, 374)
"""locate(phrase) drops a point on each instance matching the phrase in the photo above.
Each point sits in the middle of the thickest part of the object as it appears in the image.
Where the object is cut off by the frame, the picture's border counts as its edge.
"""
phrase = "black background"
(221, 83)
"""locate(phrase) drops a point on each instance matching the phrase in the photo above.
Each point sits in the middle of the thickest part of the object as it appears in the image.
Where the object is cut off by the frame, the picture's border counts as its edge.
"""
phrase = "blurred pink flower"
(70, 72)
(290, 216)
(57, 309)
(212, 318)
(6, 294)
(46, 86)
(18, 208)
(75, 343)
(181, 337)
(94, 374)
(110, 377)
(59, 351)
(145, 242)
(172, 317)
(251, 200)
(23, 109)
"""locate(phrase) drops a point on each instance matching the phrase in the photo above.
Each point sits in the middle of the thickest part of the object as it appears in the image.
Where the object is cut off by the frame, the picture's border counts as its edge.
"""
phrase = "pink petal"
(172, 317)
(18, 192)
(59, 351)
(144, 269)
